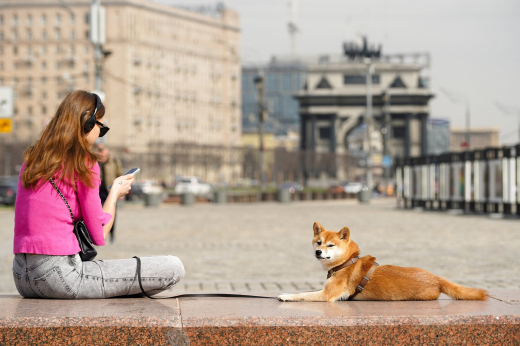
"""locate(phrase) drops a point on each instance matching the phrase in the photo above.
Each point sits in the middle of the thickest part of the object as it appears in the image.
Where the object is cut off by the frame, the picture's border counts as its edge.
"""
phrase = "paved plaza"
(266, 247)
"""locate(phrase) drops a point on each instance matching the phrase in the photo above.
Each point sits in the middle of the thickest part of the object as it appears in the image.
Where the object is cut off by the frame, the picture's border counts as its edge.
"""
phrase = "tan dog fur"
(386, 283)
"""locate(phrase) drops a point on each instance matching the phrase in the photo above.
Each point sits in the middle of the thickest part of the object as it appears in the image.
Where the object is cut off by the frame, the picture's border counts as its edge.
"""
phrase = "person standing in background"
(110, 169)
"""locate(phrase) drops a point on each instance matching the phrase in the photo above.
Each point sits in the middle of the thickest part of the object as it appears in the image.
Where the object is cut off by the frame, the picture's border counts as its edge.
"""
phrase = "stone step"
(241, 321)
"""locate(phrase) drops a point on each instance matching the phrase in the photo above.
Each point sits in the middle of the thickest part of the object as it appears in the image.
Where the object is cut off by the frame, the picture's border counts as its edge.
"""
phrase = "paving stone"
(260, 246)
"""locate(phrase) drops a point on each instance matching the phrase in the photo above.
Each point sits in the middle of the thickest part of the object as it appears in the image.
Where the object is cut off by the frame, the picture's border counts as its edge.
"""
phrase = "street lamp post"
(386, 131)
(369, 123)
(510, 111)
(97, 37)
(458, 98)
(259, 82)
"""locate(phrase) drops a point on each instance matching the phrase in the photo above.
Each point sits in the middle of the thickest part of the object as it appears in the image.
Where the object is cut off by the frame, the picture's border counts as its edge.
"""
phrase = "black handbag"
(87, 250)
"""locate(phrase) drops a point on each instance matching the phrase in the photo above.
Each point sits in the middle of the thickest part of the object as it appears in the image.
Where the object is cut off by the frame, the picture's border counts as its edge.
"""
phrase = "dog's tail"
(455, 291)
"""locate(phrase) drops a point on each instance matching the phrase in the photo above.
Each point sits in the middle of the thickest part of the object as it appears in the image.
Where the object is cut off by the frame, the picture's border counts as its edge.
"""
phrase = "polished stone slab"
(228, 321)
(125, 321)
(246, 321)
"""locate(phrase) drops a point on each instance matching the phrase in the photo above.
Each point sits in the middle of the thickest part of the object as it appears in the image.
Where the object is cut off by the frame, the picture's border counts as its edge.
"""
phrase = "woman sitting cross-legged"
(46, 262)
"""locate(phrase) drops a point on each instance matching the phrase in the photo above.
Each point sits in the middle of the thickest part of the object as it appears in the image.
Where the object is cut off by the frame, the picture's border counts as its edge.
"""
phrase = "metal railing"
(481, 181)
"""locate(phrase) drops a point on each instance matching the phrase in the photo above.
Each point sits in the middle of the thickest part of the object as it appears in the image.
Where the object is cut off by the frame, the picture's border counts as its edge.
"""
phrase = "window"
(58, 65)
(58, 49)
(44, 50)
(399, 132)
(325, 132)
(29, 109)
(87, 79)
(44, 65)
(1, 50)
(270, 82)
(44, 35)
(1, 81)
(44, 80)
(72, 35)
(1, 19)
(44, 95)
(1, 35)
(87, 48)
(397, 83)
(29, 34)
(15, 20)
(29, 20)
(57, 20)
(86, 66)
(15, 50)
(87, 20)
(72, 18)
(15, 35)
(323, 84)
(359, 79)
(58, 80)
(44, 110)
(1, 65)
(57, 34)
(287, 82)
(44, 19)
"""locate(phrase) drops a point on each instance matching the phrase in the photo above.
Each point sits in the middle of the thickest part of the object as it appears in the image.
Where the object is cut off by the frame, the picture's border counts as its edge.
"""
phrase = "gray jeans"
(67, 277)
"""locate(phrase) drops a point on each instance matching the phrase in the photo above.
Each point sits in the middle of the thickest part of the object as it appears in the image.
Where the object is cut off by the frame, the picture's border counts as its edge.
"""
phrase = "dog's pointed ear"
(344, 234)
(317, 228)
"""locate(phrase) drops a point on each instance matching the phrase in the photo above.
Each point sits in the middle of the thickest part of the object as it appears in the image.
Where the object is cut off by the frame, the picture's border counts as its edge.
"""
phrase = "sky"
(474, 45)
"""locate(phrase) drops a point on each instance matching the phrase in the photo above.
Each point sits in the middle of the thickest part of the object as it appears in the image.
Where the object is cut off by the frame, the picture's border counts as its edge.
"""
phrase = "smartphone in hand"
(131, 171)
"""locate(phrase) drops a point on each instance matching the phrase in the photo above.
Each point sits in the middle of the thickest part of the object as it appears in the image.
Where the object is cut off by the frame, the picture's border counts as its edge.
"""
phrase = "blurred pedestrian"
(110, 169)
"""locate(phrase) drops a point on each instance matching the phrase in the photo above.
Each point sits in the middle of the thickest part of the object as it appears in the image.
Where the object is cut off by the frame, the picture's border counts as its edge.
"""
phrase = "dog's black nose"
(318, 252)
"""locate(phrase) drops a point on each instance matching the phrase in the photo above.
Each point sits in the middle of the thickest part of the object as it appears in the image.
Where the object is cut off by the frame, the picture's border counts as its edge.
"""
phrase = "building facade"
(283, 77)
(170, 74)
(478, 139)
(333, 105)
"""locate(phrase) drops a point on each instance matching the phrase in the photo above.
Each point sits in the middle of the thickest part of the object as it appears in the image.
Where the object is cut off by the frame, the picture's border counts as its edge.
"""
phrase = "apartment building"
(170, 75)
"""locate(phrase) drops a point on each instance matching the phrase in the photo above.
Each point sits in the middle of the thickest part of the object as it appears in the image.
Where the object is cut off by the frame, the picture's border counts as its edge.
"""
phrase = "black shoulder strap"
(63, 198)
(226, 295)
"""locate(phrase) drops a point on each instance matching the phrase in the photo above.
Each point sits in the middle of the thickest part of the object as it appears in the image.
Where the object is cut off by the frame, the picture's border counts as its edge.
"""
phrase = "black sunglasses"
(91, 121)
(104, 129)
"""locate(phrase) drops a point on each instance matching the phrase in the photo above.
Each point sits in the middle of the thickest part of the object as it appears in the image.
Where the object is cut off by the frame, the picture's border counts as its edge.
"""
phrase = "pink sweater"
(42, 223)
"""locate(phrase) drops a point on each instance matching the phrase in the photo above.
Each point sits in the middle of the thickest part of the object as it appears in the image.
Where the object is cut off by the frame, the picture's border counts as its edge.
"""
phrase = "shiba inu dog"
(351, 277)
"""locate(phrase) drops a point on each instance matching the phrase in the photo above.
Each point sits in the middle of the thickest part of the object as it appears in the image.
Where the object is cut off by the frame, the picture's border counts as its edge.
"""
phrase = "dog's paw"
(284, 297)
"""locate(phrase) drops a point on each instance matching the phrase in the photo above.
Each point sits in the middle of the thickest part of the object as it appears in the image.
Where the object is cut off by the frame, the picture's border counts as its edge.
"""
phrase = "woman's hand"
(121, 185)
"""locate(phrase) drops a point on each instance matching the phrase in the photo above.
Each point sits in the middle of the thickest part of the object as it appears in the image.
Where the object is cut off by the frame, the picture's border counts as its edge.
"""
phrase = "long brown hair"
(63, 147)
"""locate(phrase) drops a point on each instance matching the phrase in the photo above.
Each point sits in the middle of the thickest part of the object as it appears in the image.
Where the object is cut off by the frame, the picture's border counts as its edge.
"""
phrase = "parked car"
(292, 186)
(194, 185)
(336, 188)
(8, 190)
(142, 187)
(353, 187)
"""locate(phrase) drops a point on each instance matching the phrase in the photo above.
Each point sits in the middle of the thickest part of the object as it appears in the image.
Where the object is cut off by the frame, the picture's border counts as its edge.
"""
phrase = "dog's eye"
(330, 245)
(319, 243)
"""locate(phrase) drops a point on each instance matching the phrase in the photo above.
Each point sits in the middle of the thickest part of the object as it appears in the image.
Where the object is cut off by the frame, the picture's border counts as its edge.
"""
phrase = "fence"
(217, 164)
(484, 181)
